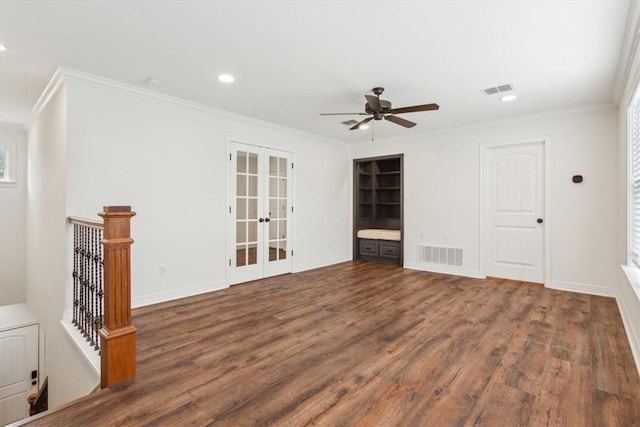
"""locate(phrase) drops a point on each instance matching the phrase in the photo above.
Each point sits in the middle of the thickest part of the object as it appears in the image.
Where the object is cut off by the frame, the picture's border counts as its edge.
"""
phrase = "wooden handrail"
(86, 222)
(117, 335)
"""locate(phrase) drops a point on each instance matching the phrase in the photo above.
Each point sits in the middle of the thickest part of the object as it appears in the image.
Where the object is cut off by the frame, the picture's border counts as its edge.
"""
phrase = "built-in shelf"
(378, 200)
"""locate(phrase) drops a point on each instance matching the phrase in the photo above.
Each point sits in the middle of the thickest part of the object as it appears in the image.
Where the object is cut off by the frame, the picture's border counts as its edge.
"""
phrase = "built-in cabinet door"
(260, 212)
(18, 372)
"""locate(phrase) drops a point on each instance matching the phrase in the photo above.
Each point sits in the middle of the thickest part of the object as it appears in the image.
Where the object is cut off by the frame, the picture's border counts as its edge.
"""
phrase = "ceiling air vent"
(497, 89)
(350, 122)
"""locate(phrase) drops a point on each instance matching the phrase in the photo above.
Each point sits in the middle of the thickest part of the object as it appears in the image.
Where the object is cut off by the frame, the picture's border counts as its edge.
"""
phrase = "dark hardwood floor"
(369, 344)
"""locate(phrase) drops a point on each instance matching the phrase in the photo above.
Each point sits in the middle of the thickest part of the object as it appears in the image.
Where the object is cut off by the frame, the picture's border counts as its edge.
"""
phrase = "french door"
(260, 210)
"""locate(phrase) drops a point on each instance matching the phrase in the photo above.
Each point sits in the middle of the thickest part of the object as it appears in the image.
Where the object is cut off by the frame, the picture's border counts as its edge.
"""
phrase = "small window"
(7, 163)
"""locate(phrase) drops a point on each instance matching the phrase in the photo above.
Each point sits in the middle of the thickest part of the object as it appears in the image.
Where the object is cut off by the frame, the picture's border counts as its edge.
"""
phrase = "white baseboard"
(582, 288)
(632, 332)
(444, 269)
(310, 266)
(173, 294)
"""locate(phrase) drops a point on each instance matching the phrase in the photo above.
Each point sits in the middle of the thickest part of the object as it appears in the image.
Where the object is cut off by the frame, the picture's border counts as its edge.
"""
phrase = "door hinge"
(291, 252)
(229, 209)
(291, 208)
(229, 262)
(229, 156)
(291, 165)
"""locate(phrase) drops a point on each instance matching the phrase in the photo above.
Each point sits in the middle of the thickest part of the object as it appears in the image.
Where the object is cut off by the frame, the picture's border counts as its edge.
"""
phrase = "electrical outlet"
(422, 234)
(445, 235)
(162, 269)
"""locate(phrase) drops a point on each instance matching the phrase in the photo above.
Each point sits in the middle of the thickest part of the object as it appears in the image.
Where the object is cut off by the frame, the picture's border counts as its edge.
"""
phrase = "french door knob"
(539, 220)
(260, 219)
(267, 219)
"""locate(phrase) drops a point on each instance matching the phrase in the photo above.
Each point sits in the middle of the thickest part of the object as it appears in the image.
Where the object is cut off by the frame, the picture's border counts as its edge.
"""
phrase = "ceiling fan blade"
(415, 109)
(399, 121)
(374, 103)
(357, 125)
(343, 114)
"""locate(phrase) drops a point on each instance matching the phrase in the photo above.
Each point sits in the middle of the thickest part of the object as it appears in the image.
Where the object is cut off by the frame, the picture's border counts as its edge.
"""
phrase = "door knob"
(267, 219)
(260, 219)
(539, 220)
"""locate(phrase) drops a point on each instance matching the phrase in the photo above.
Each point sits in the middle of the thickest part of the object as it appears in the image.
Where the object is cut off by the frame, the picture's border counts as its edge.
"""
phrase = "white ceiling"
(295, 59)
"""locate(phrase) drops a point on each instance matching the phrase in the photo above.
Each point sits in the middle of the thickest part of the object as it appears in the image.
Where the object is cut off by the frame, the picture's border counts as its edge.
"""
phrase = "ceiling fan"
(381, 109)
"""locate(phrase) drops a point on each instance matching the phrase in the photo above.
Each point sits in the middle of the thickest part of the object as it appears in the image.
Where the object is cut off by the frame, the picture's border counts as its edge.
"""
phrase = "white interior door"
(18, 358)
(260, 209)
(514, 211)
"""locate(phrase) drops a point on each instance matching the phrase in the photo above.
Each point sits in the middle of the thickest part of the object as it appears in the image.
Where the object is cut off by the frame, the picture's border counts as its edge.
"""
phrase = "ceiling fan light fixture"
(226, 78)
(363, 127)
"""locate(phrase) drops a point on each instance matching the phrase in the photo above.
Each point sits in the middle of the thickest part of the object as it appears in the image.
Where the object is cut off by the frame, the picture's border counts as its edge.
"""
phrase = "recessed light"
(2, 48)
(226, 78)
(508, 98)
(151, 81)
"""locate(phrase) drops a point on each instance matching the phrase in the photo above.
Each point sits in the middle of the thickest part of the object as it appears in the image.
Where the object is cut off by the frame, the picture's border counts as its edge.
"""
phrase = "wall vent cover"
(498, 89)
(350, 122)
(440, 255)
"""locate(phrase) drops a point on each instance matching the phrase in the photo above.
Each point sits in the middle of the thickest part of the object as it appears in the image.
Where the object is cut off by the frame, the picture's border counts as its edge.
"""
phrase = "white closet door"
(18, 358)
(514, 203)
(260, 213)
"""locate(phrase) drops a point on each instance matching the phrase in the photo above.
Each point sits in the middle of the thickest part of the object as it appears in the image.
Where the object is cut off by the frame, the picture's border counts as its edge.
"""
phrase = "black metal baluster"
(100, 286)
(76, 249)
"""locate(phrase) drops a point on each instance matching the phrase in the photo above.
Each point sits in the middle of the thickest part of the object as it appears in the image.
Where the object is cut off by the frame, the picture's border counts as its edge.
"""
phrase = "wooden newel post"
(117, 335)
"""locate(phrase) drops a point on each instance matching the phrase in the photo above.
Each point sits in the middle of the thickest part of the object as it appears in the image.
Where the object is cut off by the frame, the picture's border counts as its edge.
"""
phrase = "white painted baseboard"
(173, 294)
(632, 332)
(582, 288)
(444, 269)
(310, 266)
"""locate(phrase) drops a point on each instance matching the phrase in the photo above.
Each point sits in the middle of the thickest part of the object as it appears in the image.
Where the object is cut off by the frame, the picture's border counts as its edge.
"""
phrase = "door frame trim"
(483, 155)
(229, 198)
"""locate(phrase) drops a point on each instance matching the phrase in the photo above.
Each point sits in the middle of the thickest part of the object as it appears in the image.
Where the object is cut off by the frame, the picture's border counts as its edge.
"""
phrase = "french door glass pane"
(277, 208)
(246, 208)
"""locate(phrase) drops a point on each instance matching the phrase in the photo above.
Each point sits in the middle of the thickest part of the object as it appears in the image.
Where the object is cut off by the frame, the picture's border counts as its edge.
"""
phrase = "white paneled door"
(18, 360)
(513, 197)
(260, 211)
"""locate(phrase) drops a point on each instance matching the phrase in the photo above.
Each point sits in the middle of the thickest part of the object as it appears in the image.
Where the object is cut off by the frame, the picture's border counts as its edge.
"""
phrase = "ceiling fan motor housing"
(385, 108)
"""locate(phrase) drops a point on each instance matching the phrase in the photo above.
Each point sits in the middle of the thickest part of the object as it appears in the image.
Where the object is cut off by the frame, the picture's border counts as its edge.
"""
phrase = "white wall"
(442, 192)
(70, 376)
(169, 162)
(13, 205)
(97, 144)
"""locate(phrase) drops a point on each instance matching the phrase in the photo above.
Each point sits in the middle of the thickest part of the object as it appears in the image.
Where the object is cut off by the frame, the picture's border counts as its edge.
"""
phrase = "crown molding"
(547, 115)
(67, 74)
(628, 54)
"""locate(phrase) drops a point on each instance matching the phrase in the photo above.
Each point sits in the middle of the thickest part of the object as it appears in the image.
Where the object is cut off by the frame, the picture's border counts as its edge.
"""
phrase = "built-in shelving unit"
(378, 198)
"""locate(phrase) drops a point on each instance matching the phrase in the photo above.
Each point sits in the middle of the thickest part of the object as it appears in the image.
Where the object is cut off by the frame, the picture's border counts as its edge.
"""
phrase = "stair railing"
(102, 290)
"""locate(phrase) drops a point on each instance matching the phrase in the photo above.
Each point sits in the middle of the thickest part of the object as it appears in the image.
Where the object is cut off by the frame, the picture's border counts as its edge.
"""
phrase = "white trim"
(444, 269)
(628, 52)
(175, 294)
(89, 353)
(633, 334)
(582, 288)
(483, 147)
(547, 115)
(308, 266)
(63, 73)
(52, 87)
